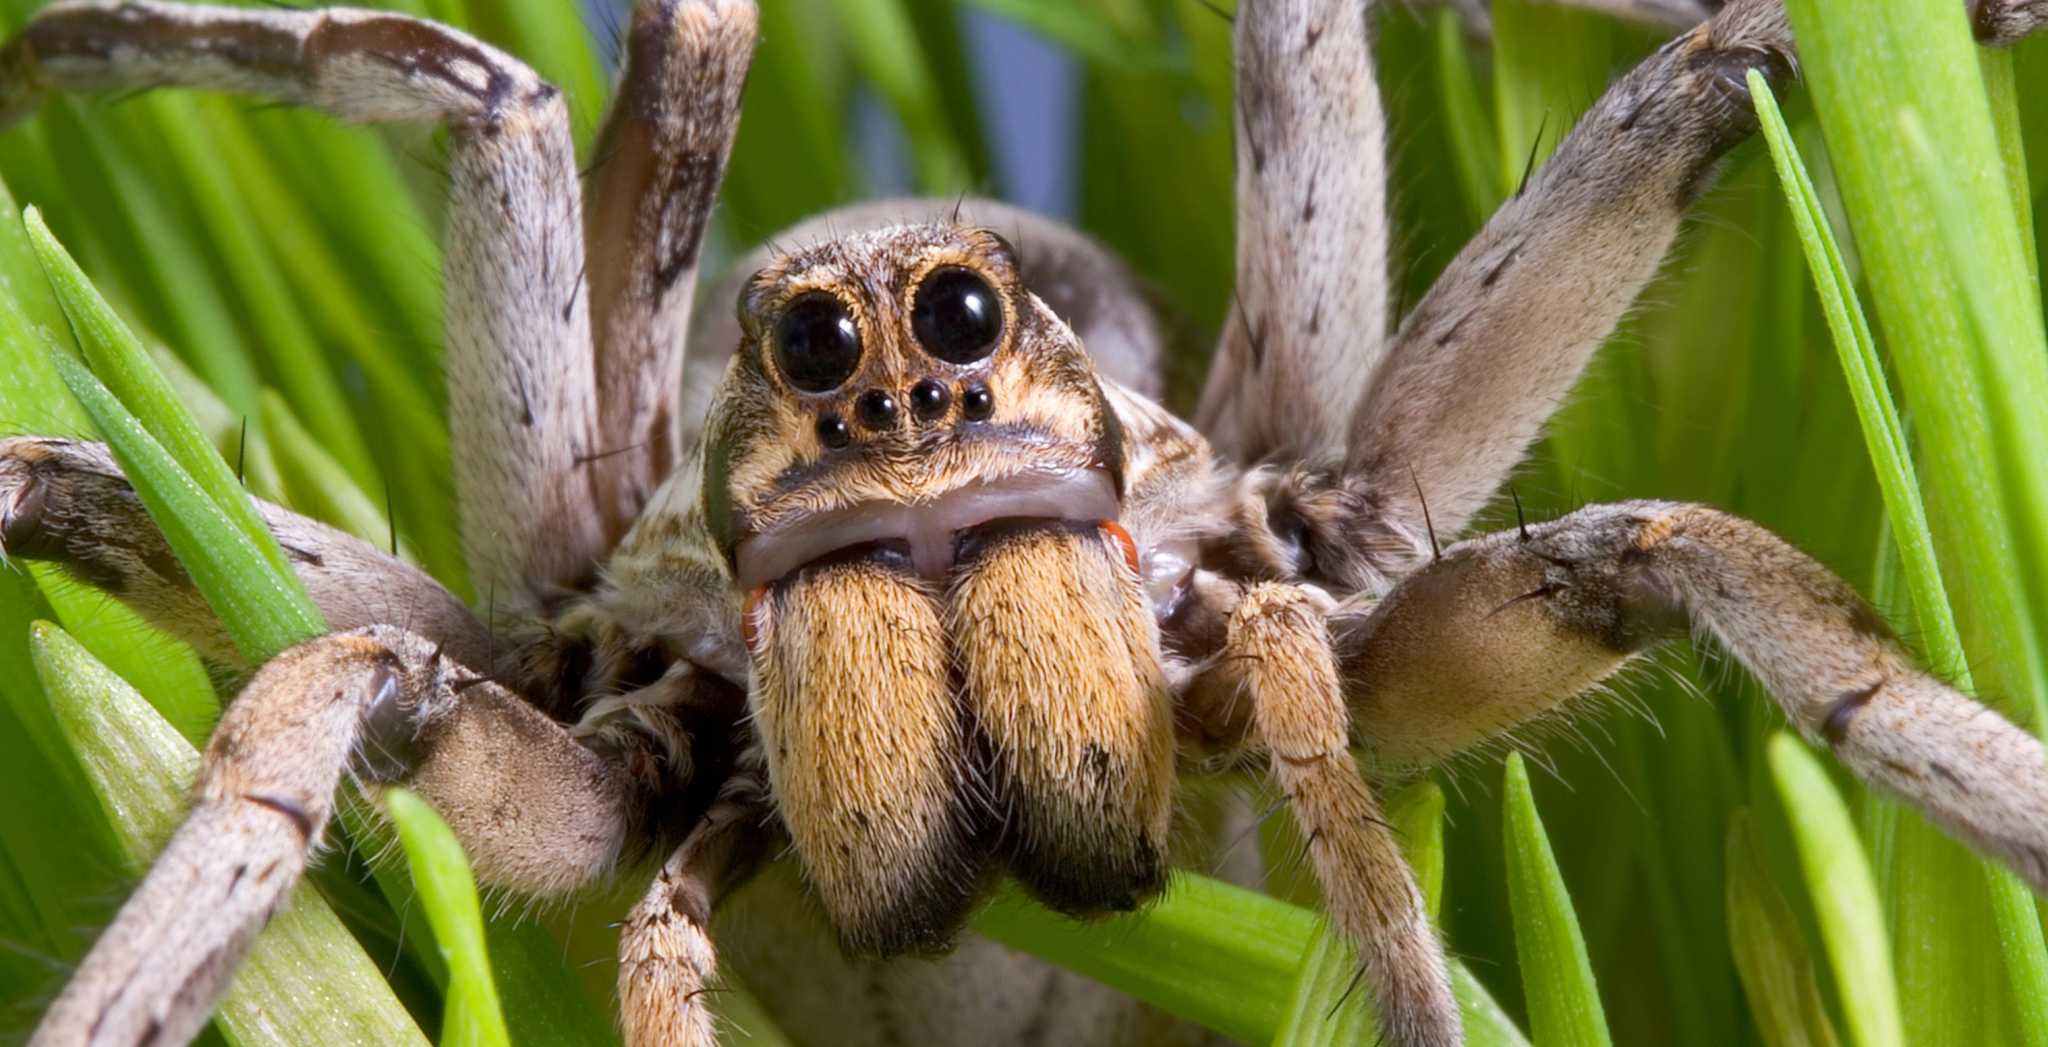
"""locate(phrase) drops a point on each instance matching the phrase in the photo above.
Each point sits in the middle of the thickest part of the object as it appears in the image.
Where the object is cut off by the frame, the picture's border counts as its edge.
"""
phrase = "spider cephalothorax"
(928, 585)
(907, 451)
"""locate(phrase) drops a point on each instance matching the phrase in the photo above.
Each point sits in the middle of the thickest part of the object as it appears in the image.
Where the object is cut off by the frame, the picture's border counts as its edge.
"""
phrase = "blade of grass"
(1466, 121)
(1329, 1003)
(133, 383)
(1844, 898)
(258, 606)
(1933, 908)
(305, 979)
(1217, 955)
(1770, 953)
(34, 400)
(887, 50)
(1557, 976)
(1866, 64)
(1417, 815)
(447, 892)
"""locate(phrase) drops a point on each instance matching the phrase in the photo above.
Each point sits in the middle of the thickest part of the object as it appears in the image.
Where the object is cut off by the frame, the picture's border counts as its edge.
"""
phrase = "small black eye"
(957, 316)
(816, 342)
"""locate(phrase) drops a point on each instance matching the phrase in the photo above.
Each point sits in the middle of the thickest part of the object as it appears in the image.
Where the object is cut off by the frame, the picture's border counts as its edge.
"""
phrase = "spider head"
(914, 476)
(896, 388)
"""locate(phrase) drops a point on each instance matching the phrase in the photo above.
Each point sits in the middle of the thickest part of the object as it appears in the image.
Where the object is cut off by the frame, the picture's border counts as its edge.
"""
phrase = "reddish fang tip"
(1123, 538)
(749, 630)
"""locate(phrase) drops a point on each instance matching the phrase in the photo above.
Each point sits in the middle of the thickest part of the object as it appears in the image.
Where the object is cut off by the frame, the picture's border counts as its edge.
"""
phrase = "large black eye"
(957, 316)
(816, 342)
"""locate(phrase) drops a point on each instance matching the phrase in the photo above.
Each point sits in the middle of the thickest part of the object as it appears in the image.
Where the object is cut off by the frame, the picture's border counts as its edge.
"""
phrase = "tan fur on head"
(1059, 665)
(865, 752)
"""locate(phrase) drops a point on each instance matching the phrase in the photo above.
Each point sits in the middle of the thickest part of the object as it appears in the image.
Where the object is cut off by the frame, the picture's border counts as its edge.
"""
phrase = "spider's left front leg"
(521, 405)
(1274, 689)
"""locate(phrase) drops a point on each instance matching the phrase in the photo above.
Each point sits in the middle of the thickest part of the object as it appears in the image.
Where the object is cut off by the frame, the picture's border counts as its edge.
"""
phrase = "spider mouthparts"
(926, 530)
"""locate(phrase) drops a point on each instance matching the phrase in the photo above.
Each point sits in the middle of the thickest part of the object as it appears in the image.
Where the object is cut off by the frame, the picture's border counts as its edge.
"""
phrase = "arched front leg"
(537, 812)
(1509, 628)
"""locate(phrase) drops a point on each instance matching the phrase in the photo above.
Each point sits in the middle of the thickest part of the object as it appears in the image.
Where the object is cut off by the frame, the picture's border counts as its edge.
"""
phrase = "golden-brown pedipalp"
(867, 758)
(1059, 669)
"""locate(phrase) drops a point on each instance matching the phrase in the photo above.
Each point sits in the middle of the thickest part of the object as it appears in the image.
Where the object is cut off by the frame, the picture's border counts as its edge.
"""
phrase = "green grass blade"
(258, 606)
(1844, 897)
(447, 893)
(1557, 976)
(131, 378)
(1770, 948)
(2001, 86)
(1329, 1002)
(1867, 64)
(33, 399)
(1217, 955)
(305, 980)
(1934, 910)
(1466, 121)
(885, 46)
(1857, 350)
(1417, 815)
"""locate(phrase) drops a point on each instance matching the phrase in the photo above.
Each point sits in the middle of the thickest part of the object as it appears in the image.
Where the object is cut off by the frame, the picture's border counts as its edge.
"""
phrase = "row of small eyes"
(955, 316)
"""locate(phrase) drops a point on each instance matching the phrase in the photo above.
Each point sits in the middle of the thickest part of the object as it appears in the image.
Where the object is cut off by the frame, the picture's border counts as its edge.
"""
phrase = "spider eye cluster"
(817, 344)
(957, 316)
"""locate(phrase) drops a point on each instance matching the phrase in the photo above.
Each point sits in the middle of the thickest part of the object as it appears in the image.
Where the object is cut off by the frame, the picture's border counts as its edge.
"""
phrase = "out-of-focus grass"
(291, 266)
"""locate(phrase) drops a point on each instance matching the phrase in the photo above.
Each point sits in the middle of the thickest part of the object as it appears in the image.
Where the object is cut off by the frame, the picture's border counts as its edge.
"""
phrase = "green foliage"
(1703, 877)
(306, 980)
(1845, 900)
(1564, 1004)
(448, 897)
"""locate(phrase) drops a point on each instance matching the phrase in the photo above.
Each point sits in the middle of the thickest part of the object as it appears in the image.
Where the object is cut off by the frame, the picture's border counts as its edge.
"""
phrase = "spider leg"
(1486, 356)
(2003, 22)
(67, 502)
(1275, 686)
(388, 704)
(1310, 317)
(658, 165)
(521, 403)
(1507, 628)
(1998, 22)
(666, 959)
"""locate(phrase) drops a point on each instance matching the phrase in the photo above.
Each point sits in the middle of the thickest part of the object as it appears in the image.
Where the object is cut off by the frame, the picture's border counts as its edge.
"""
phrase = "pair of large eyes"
(956, 317)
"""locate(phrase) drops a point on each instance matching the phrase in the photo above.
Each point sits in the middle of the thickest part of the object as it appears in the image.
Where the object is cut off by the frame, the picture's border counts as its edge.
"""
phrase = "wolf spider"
(894, 572)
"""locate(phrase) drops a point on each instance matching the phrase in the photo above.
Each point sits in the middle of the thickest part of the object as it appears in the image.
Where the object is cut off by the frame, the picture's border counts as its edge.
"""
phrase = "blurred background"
(288, 269)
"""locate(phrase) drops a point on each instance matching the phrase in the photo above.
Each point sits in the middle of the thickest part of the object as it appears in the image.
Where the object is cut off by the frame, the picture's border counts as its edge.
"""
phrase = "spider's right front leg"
(521, 403)
(1506, 629)
(538, 812)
